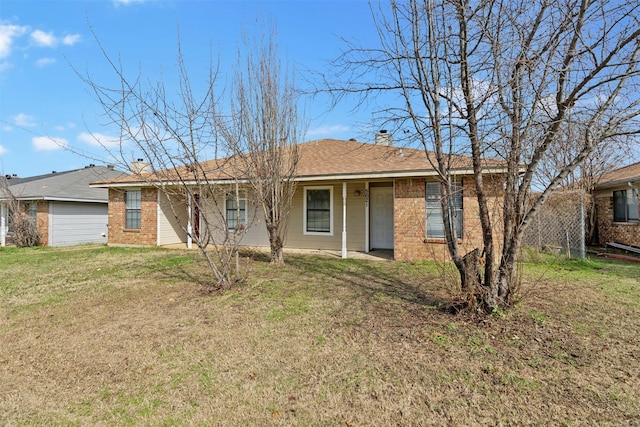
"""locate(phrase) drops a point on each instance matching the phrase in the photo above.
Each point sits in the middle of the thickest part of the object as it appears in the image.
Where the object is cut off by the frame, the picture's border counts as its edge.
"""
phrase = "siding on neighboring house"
(147, 234)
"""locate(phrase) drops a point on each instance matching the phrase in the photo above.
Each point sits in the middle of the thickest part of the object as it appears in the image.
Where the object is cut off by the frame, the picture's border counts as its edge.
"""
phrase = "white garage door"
(77, 223)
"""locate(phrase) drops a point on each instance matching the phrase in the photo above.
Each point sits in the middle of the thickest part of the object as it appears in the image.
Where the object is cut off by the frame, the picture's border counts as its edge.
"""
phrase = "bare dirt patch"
(126, 336)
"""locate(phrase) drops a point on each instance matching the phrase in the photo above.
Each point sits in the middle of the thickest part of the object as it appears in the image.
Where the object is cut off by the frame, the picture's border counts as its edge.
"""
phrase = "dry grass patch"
(114, 336)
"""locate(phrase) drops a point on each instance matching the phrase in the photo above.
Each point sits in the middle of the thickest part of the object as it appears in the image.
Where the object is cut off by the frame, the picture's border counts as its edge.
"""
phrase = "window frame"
(629, 205)
(132, 223)
(32, 212)
(305, 214)
(231, 197)
(435, 211)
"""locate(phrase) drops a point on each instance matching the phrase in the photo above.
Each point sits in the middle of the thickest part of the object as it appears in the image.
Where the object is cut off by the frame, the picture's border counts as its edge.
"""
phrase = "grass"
(123, 336)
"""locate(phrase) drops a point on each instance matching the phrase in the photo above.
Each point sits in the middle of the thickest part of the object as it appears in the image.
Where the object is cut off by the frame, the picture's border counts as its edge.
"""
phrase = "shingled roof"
(333, 159)
(620, 176)
(72, 185)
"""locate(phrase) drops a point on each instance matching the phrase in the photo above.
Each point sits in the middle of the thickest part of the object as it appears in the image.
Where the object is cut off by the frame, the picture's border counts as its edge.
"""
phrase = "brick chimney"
(140, 166)
(383, 138)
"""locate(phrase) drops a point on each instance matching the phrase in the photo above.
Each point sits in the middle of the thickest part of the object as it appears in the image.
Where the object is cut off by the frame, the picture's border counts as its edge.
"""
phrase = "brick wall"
(42, 218)
(147, 235)
(609, 231)
(42, 221)
(410, 242)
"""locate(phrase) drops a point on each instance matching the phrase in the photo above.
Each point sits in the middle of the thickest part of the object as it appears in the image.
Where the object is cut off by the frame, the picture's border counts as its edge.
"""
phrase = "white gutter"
(59, 199)
(629, 182)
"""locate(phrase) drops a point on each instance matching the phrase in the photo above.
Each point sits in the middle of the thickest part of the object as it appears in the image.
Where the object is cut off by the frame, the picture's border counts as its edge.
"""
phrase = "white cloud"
(99, 140)
(126, 2)
(8, 34)
(43, 62)
(48, 143)
(2, 150)
(23, 120)
(326, 130)
(42, 38)
(71, 39)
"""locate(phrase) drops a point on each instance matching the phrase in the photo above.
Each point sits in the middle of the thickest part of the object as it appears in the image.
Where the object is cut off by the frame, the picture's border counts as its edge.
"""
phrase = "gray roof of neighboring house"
(70, 185)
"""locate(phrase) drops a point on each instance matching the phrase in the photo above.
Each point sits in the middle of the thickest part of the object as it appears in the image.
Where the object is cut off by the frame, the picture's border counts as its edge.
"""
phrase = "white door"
(381, 217)
(77, 223)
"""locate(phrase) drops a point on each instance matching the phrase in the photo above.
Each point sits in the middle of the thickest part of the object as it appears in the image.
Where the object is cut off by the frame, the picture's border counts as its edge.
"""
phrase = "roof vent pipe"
(383, 138)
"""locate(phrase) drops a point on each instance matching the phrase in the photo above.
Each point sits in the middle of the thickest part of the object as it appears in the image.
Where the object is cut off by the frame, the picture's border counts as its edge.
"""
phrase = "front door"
(381, 217)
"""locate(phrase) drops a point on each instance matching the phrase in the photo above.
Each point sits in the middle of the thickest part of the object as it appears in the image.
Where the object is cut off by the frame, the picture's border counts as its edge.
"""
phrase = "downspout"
(344, 220)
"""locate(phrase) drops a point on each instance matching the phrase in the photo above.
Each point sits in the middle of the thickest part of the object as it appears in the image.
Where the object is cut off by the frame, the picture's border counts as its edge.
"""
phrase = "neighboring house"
(350, 196)
(64, 208)
(616, 201)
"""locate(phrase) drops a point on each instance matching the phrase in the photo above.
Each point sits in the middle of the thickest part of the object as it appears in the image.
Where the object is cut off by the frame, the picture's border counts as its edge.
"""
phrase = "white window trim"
(243, 197)
(304, 211)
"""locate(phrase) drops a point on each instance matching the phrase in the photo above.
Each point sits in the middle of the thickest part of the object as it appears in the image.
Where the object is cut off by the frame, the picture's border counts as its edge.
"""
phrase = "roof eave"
(305, 178)
(616, 183)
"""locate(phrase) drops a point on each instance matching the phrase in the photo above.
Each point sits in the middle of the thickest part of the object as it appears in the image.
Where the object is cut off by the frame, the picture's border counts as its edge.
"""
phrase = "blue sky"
(47, 113)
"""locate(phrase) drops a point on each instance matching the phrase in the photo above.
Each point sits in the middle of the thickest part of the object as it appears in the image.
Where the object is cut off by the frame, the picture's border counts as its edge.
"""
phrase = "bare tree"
(501, 78)
(263, 131)
(176, 133)
(606, 156)
(23, 226)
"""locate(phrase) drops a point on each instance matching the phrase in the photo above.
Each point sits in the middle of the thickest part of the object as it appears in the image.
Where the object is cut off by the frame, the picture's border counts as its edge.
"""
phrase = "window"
(32, 211)
(233, 210)
(132, 208)
(318, 210)
(625, 205)
(435, 220)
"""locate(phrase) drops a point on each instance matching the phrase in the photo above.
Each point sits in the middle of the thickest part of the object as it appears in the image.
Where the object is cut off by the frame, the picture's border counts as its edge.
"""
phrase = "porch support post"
(3, 225)
(344, 220)
(158, 213)
(366, 217)
(189, 225)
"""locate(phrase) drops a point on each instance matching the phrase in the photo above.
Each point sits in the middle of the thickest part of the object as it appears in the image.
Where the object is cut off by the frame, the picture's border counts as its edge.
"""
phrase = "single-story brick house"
(350, 196)
(65, 209)
(616, 203)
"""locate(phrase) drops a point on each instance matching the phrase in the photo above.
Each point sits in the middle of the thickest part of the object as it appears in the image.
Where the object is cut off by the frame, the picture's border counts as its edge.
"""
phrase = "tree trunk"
(276, 246)
(470, 277)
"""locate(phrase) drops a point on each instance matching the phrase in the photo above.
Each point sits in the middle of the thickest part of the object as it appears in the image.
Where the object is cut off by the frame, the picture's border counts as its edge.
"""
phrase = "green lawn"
(123, 336)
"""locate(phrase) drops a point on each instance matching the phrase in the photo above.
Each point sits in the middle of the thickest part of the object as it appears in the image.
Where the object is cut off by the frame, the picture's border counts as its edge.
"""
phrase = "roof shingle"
(332, 158)
(626, 173)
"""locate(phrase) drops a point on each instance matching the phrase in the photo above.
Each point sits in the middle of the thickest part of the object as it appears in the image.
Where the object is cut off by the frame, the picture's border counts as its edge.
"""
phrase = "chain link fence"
(559, 225)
